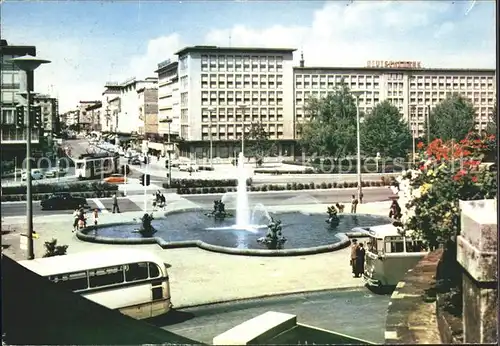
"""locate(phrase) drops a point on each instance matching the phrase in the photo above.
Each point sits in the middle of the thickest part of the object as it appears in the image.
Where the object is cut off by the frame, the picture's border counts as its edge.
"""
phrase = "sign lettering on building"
(393, 64)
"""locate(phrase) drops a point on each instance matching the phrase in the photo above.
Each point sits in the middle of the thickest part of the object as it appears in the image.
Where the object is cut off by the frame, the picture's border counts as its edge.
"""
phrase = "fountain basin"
(305, 233)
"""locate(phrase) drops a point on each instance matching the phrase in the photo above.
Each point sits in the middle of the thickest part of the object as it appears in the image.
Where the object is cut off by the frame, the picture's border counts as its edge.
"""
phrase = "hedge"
(194, 183)
(95, 186)
(384, 181)
(370, 166)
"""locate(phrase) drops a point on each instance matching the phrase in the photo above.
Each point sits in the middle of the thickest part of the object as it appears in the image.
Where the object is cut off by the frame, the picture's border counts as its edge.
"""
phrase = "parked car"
(51, 174)
(63, 200)
(134, 161)
(115, 179)
(36, 174)
(188, 167)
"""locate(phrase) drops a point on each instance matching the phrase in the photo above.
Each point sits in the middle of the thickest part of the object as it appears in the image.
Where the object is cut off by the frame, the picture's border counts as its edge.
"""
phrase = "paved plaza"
(200, 277)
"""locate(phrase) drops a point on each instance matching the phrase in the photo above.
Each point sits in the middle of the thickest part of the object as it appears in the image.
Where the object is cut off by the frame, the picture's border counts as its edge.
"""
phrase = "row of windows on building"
(262, 98)
(248, 115)
(241, 63)
(238, 81)
(11, 133)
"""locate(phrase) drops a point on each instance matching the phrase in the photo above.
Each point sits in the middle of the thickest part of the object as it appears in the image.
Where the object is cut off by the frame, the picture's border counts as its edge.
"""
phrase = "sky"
(92, 42)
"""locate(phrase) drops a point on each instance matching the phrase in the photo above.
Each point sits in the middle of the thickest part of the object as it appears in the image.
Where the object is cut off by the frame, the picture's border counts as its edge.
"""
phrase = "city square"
(248, 182)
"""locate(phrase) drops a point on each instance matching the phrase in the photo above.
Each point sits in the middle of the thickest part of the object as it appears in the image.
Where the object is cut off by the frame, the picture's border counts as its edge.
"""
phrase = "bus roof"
(87, 260)
(383, 231)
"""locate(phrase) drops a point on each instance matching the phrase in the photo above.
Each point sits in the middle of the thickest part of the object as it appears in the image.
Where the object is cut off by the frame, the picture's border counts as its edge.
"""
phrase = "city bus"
(389, 255)
(134, 282)
(92, 166)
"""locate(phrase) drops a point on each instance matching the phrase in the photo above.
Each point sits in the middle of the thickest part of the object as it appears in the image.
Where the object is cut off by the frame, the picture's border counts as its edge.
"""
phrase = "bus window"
(136, 271)
(106, 276)
(154, 271)
(72, 281)
(414, 246)
(80, 165)
(394, 246)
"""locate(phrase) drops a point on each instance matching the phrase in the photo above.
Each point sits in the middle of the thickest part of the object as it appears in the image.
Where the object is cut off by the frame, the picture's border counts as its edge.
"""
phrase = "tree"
(385, 131)
(259, 144)
(452, 118)
(492, 124)
(331, 129)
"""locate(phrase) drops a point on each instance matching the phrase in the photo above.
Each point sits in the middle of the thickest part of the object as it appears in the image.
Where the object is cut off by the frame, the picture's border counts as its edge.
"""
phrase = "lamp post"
(243, 107)
(28, 64)
(357, 94)
(412, 123)
(210, 110)
(169, 149)
(428, 124)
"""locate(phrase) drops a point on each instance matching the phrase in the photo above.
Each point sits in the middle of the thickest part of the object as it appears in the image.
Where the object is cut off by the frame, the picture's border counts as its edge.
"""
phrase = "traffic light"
(20, 116)
(36, 116)
(145, 179)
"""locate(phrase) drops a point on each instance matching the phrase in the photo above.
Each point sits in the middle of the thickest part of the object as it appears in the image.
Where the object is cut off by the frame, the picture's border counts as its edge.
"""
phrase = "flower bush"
(447, 172)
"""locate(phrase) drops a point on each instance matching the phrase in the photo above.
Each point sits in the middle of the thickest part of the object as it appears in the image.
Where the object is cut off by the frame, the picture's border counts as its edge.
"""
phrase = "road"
(19, 209)
(359, 313)
(296, 197)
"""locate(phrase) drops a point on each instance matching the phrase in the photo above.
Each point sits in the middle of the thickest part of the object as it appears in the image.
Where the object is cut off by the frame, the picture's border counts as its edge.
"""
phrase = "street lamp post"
(243, 107)
(28, 64)
(357, 94)
(210, 110)
(169, 150)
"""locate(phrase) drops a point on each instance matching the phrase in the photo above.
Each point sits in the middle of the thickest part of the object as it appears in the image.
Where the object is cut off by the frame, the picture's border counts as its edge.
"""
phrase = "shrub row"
(195, 183)
(366, 167)
(205, 168)
(94, 186)
(308, 170)
(42, 196)
(293, 186)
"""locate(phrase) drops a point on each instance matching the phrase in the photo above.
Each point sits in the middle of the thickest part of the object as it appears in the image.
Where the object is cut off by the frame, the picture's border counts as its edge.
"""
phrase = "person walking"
(395, 212)
(163, 201)
(82, 220)
(76, 217)
(354, 204)
(96, 216)
(360, 260)
(116, 208)
(354, 247)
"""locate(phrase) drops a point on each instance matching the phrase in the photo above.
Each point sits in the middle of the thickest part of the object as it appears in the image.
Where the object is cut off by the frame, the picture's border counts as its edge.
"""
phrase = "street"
(206, 201)
(358, 312)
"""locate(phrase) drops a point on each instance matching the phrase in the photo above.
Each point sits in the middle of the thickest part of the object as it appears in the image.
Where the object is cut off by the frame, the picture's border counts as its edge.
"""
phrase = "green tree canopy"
(452, 118)
(492, 124)
(385, 131)
(259, 144)
(331, 129)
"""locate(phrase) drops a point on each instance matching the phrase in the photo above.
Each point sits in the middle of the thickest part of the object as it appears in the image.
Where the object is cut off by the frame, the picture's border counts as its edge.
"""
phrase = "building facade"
(94, 112)
(168, 98)
(50, 113)
(413, 89)
(224, 89)
(110, 100)
(148, 111)
(13, 82)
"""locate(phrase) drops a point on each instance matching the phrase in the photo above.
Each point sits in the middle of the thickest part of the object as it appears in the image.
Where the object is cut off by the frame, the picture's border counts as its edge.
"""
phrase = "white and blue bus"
(96, 165)
(134, 282)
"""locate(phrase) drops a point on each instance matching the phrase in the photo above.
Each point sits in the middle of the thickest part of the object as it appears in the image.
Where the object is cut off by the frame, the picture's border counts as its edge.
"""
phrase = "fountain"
(242, 209)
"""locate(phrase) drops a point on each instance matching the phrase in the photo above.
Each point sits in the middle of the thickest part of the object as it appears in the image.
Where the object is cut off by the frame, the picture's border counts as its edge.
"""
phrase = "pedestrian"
(163, 201)
(352, 262)
(82, 220)
(116, 208)
(395, 211)
(361, 198)
(354, 204)
(96, 216)
(76, 217)
(360, 260)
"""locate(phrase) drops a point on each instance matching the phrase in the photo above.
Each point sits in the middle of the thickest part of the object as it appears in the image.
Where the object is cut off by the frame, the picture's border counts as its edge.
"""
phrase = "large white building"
(168, 98)
(223, 89)
(413, 89)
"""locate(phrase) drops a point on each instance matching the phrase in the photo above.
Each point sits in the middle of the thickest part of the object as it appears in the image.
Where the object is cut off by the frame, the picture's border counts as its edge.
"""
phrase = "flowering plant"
(447, 172)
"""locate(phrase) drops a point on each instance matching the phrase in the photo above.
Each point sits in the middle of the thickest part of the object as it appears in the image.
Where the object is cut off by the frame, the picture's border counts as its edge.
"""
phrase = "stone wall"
(477, 254)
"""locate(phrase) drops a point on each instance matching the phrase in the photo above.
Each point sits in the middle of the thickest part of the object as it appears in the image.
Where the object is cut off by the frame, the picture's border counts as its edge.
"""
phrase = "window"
(394, 244)
(7, 116)
(414, 246)
(73, 281)
(136, 271)
(106, 276)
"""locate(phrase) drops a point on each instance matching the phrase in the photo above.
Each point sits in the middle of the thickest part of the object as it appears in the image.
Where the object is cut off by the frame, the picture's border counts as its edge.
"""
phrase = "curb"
(268, 295)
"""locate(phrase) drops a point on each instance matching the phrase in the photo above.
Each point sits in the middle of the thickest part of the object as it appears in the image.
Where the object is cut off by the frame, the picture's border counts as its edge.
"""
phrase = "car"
(134, 161)
(115, 179)
(63, 200)
(36, 174)
(50, 174)
(188, 167)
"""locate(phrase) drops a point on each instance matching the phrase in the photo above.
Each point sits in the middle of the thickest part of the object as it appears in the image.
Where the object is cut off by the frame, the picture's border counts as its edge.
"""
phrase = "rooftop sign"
(393, 64)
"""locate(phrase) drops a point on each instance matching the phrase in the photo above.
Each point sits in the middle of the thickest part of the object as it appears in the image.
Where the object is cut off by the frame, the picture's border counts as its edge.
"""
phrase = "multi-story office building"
(13, 82)
(224, 89)
(413, 89)
(168, 98)
(130, 107)
(110, 100)
(50, 113)
(86, 120)
(94, 112)
(148, 111)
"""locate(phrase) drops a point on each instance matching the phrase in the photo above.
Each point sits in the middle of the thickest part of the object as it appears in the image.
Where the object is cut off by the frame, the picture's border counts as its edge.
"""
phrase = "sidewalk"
(198, 276)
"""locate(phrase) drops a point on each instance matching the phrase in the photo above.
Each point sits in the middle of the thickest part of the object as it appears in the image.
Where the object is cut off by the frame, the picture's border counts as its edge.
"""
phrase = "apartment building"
(148, 111)
(13, 82)
(94, 112)
(110, 100)
(168, 98)
(129, 120)
(410, 87)
(50, 113)
(86, 120)
(225, 89)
